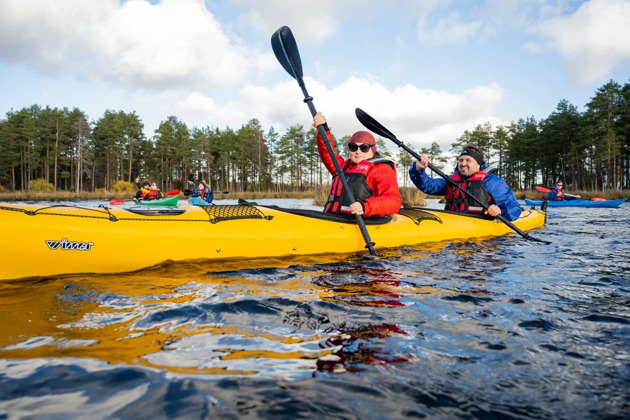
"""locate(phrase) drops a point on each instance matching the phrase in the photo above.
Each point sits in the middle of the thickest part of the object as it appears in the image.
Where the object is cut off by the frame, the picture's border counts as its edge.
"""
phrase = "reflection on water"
(486, 328)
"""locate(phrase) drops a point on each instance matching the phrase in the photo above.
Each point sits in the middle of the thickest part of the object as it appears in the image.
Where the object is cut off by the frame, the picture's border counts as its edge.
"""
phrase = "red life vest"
(143, 193)
(152, 195)
(357, 182)
(456, 201)
(559, 194)
(201, 193)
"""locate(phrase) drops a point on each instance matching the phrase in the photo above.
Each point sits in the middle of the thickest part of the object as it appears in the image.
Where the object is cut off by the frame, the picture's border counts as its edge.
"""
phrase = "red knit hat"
(363, 137)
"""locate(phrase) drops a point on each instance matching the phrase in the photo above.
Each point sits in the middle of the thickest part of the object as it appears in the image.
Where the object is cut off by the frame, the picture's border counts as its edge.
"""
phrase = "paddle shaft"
(285, 49)
(547, 190)
(213, 192)
(375, 126)
(344, 182)
(189, 192)
(475, 199)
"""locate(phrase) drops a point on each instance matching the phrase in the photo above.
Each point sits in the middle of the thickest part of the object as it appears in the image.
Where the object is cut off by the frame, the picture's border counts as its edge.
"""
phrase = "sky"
(425, 69)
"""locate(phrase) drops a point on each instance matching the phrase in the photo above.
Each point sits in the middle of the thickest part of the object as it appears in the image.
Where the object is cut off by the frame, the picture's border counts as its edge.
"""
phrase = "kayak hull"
(165, 201)
(578, 203)
(47, 241)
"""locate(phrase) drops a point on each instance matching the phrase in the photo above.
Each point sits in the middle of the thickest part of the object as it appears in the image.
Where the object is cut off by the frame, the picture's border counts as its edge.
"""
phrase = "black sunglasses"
(364, 147)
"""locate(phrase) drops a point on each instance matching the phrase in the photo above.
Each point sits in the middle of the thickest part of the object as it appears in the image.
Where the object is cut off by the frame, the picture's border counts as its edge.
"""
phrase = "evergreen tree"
(435, 154)
(603, 118)
(172, 148)
(404, 161)
(589, 150)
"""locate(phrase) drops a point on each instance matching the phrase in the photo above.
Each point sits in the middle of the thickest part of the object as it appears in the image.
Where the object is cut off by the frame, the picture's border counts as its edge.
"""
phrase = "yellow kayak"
(45, 241)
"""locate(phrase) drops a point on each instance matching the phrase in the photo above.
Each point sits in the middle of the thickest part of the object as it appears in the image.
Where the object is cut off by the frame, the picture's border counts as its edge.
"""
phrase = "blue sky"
(426, 69)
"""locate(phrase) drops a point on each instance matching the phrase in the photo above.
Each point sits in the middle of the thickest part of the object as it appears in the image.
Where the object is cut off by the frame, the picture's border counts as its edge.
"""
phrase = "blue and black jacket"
(496, 187)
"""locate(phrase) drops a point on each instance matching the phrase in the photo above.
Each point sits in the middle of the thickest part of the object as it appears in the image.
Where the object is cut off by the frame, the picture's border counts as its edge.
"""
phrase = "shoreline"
(410, 195)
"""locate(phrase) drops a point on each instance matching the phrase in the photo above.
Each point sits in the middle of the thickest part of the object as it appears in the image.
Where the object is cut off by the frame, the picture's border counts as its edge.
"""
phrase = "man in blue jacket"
(469, 175)
(203, 191)
(557, 194)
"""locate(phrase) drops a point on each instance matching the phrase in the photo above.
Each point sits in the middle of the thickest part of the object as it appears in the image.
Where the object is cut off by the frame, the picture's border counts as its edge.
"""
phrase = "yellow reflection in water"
(98, 316)
(95, 316)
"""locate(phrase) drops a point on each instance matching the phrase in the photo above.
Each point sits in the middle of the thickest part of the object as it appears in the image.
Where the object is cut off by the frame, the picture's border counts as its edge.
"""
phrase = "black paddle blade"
(531, 238)
(373, 125)
(286, 50)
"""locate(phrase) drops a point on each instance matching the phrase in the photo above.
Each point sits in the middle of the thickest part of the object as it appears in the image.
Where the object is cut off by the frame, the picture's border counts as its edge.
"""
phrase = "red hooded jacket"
(381, 179)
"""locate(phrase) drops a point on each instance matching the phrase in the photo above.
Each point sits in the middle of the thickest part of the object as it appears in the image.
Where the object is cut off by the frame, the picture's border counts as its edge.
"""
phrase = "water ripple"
(489, 328)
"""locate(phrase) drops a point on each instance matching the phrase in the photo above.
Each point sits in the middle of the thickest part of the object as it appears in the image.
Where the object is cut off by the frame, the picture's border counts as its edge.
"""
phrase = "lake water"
(497, 328)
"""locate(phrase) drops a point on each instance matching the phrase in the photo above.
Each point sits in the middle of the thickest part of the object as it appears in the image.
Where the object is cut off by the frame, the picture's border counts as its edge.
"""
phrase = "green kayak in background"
(166, 201)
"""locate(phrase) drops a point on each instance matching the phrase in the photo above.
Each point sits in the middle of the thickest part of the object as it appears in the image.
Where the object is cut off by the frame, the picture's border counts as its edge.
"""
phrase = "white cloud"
(310, 21)
(417, 116)
(532, 47)
(175, 57)
(313, 21)
(172, 43)
(448, 31)
(272, 106)
(593, 40)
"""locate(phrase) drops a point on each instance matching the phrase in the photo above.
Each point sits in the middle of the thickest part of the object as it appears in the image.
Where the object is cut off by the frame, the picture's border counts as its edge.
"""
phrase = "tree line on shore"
(588, 150)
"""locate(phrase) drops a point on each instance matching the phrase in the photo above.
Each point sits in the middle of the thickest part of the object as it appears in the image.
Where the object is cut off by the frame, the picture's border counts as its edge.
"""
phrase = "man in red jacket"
(371, 177)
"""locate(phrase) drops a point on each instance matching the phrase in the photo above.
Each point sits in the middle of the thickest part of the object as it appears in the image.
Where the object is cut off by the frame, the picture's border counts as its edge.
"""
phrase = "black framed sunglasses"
(353, 147)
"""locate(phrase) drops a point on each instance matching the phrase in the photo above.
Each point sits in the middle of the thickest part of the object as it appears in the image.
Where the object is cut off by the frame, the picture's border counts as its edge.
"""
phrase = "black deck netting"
(418, 215)
(235, 212)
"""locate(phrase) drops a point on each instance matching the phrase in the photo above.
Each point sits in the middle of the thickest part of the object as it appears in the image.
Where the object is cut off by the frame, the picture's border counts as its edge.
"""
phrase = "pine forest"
(589, 150)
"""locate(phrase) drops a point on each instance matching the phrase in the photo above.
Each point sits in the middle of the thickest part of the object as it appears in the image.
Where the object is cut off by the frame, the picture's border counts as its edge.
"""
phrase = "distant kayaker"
(557, 194)
(371, 177)
(470, 175)
(203, 191)
(143, 190)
